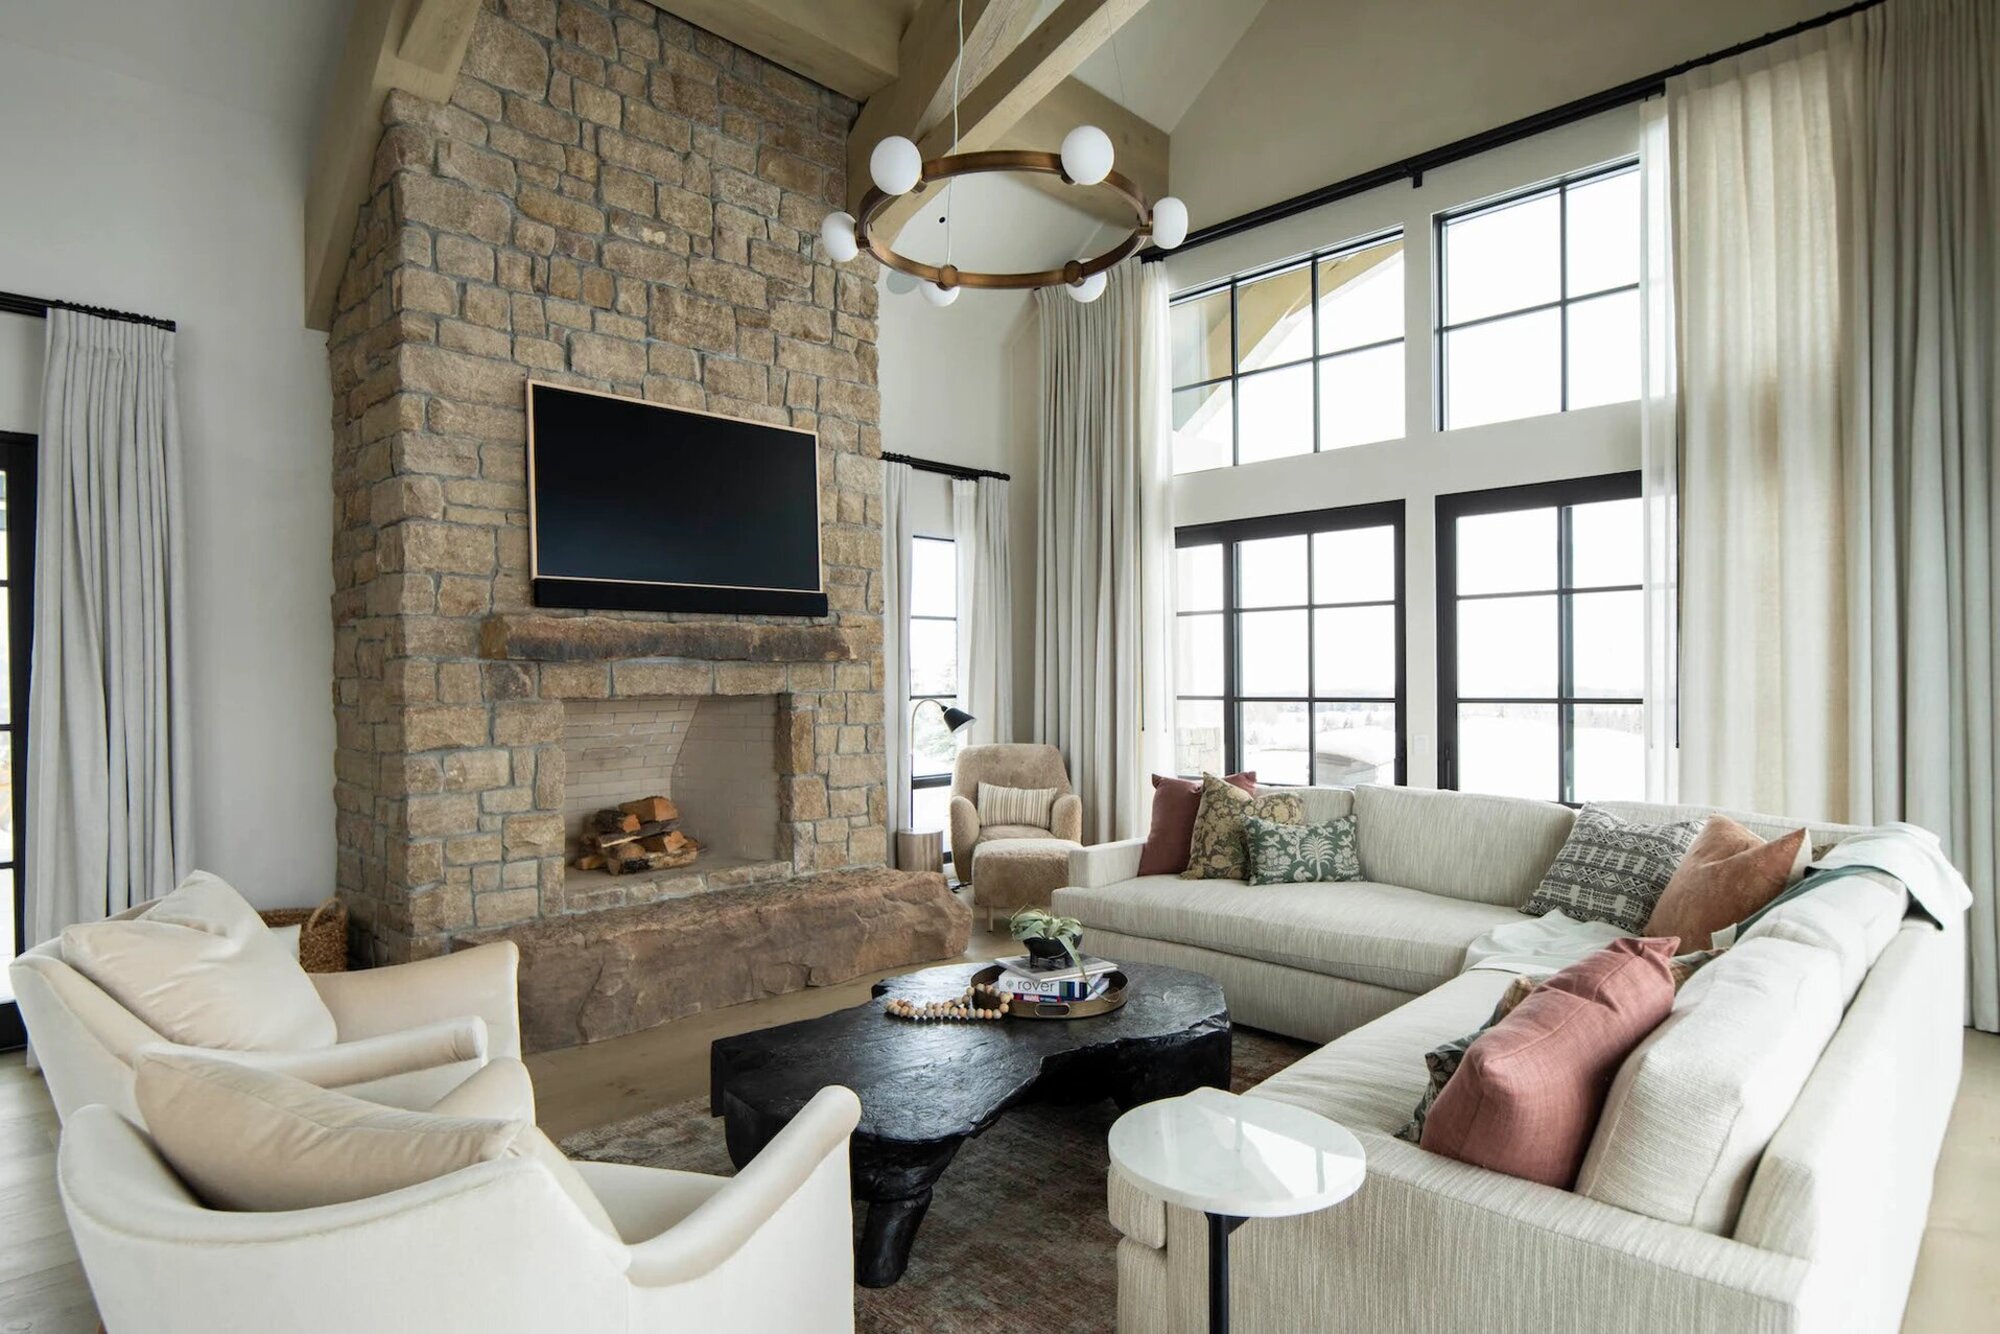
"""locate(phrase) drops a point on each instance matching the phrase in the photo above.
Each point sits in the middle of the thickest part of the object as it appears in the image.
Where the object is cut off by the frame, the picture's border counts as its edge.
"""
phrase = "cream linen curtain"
(895, 648)
(1105, 543)
(1659, 452)
(107, 697)
(979, 522)
(1839, 266)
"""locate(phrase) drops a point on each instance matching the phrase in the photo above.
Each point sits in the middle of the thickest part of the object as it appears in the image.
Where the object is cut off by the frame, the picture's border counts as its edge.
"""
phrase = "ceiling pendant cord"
(957, 76)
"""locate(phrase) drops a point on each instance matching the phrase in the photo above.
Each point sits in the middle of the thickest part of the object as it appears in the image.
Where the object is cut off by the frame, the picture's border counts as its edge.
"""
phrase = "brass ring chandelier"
(897, 167)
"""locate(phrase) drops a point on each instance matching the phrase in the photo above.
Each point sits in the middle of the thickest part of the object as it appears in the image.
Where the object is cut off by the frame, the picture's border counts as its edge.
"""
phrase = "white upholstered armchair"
(487, 1249)
(1019, 765)
(407, 1034)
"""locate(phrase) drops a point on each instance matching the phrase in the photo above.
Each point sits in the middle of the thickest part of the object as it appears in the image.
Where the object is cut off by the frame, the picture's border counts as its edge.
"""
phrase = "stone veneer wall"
(612, 199)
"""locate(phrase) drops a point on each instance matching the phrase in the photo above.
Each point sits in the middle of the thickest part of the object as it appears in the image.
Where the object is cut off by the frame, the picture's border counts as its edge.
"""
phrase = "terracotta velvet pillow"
(1728, 874)
(1175, 801)
(1525, 1099)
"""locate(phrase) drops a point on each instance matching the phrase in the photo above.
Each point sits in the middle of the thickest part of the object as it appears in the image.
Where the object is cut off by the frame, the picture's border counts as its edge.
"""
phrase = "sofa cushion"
(996, 833)
(1370, 1077)
(1612, 870)
(1526, 1099)
(1217, 850)
(253, 1141)
(1300, 853)
(1694, 1105)
(201, 968)
(1381, 934)
(1486, 849)
(1854, 917)
(1325, 803)
(1728, 874)
(1175, 802)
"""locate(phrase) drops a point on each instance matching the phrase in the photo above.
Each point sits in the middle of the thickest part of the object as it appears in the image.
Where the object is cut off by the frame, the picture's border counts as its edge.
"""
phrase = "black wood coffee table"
(926, 1088)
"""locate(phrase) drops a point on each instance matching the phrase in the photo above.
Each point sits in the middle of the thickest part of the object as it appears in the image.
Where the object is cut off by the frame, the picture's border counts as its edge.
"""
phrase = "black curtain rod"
(948, 469)
(1413, 168)
(13, 303)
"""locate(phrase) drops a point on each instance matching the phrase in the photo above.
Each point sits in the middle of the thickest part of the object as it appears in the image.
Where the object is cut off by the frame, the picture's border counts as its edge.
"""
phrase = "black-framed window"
(1290, 647)
(932, 640)
(1300, 357)
(17, 619)
(1538, 300)
(1541, 640)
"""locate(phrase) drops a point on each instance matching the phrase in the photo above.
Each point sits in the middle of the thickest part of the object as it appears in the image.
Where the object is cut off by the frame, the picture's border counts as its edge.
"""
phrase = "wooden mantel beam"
(1026, 75)
(412, 45)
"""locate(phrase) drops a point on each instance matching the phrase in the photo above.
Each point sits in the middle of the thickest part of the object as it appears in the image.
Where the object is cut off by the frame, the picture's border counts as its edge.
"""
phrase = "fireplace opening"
(714, 757)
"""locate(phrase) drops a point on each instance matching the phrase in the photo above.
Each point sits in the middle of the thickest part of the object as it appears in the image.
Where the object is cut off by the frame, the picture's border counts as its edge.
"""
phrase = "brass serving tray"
(1055, 1009)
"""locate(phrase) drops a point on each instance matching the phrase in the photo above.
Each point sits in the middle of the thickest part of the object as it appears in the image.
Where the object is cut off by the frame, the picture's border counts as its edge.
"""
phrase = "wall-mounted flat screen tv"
(637, 506)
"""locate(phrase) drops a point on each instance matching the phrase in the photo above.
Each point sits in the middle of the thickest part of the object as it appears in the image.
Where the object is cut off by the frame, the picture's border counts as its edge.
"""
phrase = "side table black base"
(1219, 1228)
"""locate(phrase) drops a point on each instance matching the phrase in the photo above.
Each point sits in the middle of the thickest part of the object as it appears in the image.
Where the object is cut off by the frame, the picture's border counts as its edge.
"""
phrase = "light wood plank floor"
(42, 1288)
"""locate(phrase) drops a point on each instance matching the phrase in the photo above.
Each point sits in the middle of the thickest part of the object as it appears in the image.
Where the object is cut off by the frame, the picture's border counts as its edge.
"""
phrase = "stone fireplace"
(616, 200)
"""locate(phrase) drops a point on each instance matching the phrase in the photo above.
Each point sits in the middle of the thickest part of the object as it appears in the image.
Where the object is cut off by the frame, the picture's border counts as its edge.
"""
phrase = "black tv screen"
(639, 506)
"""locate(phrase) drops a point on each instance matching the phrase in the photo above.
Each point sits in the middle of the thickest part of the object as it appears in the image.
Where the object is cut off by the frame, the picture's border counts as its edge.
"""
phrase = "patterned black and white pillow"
(1612, 870)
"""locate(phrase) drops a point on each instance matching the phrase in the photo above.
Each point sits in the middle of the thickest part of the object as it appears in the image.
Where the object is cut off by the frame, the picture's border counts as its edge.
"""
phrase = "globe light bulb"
(1170, 223)
(837, 238)
(1087, 291)
(900, 283)
(896, 166)
(940, 296)
(1086, 155)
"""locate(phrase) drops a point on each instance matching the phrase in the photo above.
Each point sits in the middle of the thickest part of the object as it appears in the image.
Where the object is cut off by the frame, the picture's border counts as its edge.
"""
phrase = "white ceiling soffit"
(1165, 55)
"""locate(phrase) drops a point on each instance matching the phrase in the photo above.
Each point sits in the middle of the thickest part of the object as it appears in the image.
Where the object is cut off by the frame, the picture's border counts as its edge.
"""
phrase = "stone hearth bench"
(596, 975)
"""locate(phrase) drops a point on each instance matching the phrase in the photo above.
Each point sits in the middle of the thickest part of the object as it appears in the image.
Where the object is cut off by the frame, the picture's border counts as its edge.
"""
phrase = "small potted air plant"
(1052, 941)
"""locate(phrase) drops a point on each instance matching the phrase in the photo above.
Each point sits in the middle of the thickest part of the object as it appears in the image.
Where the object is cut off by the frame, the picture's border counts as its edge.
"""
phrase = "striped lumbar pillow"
(1016, 805)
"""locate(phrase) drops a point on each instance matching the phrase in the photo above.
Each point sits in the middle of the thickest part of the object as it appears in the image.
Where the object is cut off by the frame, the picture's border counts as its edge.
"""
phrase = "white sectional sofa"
(1820, 1218)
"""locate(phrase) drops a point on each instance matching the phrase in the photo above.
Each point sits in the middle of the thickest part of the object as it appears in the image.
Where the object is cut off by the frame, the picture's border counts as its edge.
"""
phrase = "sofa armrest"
(1066, 817)
(366, 1059)
(964, 835)
(479, 981)
(1105, 863)
(500, 1090)
(813, 1145)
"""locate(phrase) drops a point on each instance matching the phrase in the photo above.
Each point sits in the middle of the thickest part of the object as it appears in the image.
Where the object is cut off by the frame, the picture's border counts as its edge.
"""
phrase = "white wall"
(1427, 462)
(187, 203)
(952, 392)
(1316, 92)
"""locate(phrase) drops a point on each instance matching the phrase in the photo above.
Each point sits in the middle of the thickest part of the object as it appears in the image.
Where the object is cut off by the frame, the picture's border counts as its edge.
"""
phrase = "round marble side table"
(1236, 1158)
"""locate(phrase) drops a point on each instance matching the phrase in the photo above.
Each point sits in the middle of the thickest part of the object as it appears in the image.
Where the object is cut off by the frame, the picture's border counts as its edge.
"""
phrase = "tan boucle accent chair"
(1008, 765)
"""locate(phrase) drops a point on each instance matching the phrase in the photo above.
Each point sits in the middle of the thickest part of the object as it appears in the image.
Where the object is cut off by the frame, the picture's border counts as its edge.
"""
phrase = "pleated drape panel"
(1101, 660)
(107, 799)
(979, 522)
(1838, 262)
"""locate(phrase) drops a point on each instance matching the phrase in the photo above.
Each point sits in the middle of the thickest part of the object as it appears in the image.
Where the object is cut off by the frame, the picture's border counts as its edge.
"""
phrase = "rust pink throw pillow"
(1526, 1097)
(1176, 801)
(1728, 874)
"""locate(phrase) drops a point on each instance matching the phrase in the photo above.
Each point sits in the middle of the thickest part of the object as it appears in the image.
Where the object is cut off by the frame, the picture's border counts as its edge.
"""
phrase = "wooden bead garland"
(977, 1003)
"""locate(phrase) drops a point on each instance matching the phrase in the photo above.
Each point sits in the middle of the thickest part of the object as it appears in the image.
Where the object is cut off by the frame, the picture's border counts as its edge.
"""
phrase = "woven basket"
(322, 934)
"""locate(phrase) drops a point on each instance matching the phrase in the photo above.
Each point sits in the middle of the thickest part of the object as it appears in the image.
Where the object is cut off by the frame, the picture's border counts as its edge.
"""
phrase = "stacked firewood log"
(643, 835)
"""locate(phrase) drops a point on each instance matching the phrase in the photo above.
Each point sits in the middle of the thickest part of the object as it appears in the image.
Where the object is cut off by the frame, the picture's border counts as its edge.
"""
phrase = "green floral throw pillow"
(1295, 853)
(1218, 850)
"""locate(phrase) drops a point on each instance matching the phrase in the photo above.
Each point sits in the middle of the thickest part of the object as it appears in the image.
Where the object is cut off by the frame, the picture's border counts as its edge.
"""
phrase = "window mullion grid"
(1312, 360)
(1562, 285)
(1235, 377)
(1312, 620)
(1565, 657)
(1231, 760)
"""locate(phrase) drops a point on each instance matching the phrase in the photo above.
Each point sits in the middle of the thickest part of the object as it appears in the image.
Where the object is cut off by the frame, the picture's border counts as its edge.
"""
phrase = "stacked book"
(1018, 981)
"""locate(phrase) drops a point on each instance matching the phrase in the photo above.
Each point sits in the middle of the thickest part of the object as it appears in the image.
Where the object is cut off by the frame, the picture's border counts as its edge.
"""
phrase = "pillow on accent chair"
(1301, 853)
(253, 1141)
(1612, 870)
(1175, 801)
(1217, 850)
(200, 967)
(1727, 875)
(1526, 1096)
(1016, 805)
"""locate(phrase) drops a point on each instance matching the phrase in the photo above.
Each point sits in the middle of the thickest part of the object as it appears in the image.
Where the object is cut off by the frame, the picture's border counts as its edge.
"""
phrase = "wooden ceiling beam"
(849, 46)
(1019, 81)
(412, 45)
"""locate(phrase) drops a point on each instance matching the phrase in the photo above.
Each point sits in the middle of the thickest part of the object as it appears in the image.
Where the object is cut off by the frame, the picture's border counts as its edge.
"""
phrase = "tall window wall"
(1479, 333)
(1290, 647)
